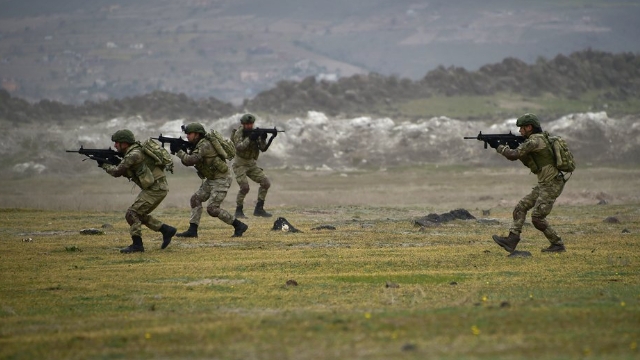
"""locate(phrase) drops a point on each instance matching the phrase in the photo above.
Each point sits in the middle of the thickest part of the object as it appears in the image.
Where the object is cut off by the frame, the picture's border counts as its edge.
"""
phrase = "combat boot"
(167, 233)
(555, 248)
(239, 213)
(259, 210)
(135, 247)
(508, 243)
(192, 232)
(239, 228)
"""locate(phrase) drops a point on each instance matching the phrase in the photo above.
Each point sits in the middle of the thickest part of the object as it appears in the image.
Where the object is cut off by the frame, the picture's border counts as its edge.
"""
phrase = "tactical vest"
(251, 152)
(205, 168)
(540, 158)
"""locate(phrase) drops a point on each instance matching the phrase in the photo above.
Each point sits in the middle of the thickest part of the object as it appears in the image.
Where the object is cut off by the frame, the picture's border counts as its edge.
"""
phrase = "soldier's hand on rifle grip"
(100, 163)
(263, 136)
(254, 136)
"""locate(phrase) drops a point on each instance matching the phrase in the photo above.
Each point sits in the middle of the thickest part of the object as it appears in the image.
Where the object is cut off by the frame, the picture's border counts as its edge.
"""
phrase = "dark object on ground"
(518, 253)
(431, 219)
(283, 225)
(603, 202)
(324, 227)
(611, 220)
(486, 212)
(626, 231)
(489, 221)
(91, 231)
(409, 347)
(391, 285)
(292, 282)
(505, 304)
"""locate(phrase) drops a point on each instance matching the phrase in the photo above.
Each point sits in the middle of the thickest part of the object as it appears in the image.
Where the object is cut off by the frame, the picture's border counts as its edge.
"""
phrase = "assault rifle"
(511, 140)
(107, 156)
(180, 143)
(258, 132)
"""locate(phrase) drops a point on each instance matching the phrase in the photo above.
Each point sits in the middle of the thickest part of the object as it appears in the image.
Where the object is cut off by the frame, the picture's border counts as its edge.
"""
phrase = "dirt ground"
(426, 188)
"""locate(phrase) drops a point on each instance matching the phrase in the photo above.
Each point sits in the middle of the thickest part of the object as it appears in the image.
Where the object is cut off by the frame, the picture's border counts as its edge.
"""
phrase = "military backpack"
(224, 147)
(158, 154)
(563, 156)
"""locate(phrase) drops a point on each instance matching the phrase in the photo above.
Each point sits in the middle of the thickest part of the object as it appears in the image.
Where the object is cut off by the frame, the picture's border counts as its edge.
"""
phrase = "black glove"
(174, 148)
(494, 143)
(254, 136)
(263, 136)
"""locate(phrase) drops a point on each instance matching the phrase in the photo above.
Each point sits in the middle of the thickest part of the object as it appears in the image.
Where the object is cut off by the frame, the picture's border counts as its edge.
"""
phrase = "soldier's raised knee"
(132, 217)
(539, 223)
(244, 188)
(213, 210)
(265, 183)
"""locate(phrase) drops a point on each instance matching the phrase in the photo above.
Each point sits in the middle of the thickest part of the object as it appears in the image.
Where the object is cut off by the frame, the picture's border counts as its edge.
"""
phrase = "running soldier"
(213, 170)
(536, 154)
(143, 171)
(248, 148)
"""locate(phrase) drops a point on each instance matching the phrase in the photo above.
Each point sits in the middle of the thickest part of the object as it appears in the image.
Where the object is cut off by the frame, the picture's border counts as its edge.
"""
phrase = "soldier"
(536, 154)
(142, 170)
(248, 148)
(216, 180)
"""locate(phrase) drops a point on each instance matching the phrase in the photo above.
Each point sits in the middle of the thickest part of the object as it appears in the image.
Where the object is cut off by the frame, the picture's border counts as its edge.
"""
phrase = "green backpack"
(158, 154)
(224, 147)
(561, 153)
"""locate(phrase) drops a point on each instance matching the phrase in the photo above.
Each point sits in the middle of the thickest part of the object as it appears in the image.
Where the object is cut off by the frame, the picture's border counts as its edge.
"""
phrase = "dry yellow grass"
(377, 287)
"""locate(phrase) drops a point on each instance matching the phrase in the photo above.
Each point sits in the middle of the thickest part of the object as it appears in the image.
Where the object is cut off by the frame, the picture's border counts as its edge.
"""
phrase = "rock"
(391, 285)
(611, 220)
(626, 231)
(517, 253)
(91, 231)
(292, 282)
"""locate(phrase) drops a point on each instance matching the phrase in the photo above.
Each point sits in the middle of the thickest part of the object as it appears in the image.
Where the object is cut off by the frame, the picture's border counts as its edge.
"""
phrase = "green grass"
(458, 297)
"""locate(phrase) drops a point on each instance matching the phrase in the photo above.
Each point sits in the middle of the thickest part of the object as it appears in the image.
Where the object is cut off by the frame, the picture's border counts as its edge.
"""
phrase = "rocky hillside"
(612, 76)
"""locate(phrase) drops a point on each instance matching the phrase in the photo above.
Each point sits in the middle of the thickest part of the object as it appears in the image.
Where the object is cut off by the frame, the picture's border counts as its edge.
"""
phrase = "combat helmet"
(123, 136)
(247, 119)
(528, 119)
(194, 128)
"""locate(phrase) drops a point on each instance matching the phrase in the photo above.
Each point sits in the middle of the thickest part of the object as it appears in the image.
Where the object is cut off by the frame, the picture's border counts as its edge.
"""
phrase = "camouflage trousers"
(540, 201)
(215, 191)
(148, 200)
(245, 172)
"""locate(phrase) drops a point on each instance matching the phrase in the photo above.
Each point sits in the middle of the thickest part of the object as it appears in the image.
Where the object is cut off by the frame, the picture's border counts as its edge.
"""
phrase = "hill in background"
(71, 51)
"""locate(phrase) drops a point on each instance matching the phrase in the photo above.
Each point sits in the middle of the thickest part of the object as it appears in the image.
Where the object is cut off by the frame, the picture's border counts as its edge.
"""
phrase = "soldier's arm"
(243, 143)
(189, 160)
(515, 154)
(129, 162)
(262, 144)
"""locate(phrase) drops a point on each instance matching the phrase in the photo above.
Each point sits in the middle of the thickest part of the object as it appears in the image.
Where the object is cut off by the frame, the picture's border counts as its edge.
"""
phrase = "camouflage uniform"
(213, 170)
(536, 154)
(216, 181)
(142, 170)
(245, 167)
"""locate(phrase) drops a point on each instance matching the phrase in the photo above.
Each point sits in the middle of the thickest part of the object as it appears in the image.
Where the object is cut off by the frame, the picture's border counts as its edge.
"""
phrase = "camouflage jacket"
(535, 154)
(247, 150)
(206, 160)
(137, 167)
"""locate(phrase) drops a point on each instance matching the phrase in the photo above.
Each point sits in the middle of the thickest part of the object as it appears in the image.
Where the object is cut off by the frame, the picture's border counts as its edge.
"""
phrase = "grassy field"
(376, 287)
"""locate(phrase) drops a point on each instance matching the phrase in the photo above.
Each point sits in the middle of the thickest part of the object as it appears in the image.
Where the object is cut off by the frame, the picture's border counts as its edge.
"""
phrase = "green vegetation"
(374, 288)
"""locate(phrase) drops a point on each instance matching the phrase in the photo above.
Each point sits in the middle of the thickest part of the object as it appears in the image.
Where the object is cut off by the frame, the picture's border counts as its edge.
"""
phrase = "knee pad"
(265, 183)
(132, 217)
(195, 202)
(244, 188)
(213, 210)
(519, 212)
(539, 223)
